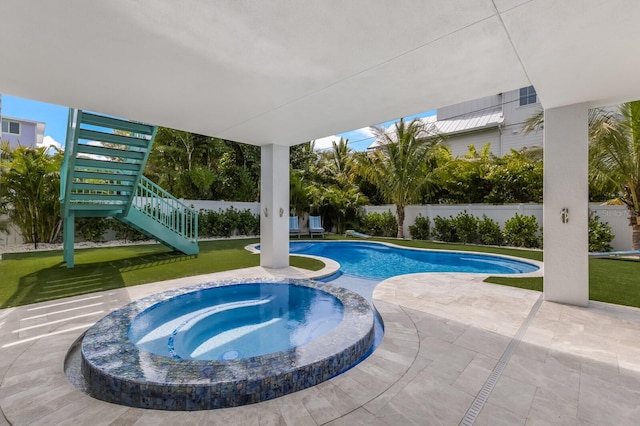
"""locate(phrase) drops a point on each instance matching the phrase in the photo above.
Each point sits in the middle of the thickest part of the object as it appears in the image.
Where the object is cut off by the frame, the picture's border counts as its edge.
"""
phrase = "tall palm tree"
(614, 156)
(398, 167)
(614, 159)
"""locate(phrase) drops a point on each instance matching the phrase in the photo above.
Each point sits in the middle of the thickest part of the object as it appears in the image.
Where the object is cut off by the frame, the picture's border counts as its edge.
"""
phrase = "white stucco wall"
(614, 216)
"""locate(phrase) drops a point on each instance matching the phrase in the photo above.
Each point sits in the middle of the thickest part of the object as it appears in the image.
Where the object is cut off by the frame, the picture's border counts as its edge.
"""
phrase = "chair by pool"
(294, 227)
(625, 253)
(352, 233)
(315, 226)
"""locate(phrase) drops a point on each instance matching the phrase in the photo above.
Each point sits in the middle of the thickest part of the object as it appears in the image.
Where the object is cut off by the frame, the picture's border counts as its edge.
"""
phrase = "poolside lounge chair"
(294, 228)
(616, 253)
(315, 226)
(352, 233)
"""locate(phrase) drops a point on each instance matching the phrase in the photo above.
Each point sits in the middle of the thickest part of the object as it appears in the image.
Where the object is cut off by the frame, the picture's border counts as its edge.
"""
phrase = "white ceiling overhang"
(286, 72)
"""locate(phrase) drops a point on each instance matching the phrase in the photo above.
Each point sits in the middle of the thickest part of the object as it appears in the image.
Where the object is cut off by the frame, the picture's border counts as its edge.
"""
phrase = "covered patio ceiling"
(284, 72)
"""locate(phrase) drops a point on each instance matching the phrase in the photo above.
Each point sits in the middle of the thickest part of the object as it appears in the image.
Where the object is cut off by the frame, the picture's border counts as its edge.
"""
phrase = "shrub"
(445, 229)
(489, 231)
(223, 223)
(466, 226)
(92, 228)
(380, 224)
(522, 231)
(600, 235)
(125, 232)
(247, 223)
(420, 230)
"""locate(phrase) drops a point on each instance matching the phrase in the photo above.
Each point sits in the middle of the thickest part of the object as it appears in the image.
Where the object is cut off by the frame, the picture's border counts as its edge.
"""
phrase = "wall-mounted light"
(564, 215)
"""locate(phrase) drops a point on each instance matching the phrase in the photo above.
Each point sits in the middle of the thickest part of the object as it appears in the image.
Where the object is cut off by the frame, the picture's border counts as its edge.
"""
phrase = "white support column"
(566, 259)
(274, 207)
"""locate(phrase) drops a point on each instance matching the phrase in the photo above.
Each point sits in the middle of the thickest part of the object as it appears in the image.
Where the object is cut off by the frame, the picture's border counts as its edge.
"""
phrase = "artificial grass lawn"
(38, 276)
(610, 280)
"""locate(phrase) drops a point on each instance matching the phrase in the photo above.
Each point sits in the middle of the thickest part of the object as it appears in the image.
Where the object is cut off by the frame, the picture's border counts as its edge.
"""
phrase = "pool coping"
(118, 371)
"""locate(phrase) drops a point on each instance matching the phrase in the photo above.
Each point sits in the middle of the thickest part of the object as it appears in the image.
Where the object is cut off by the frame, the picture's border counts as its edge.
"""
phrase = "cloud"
(364, 132)
(326, 142)
(51, 144)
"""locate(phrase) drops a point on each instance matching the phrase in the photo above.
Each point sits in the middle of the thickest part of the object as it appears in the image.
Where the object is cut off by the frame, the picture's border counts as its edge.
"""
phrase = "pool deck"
(453, 347)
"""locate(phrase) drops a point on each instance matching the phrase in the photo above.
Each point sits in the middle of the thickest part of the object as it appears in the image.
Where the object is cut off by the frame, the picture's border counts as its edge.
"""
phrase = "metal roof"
(473, 121)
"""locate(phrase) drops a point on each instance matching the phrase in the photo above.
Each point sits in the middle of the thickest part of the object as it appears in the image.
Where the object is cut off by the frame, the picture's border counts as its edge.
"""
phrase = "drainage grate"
(473, 411)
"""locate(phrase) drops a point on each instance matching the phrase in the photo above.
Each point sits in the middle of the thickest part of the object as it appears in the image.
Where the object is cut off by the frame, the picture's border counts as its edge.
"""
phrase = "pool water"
(380, 261)
(225, 323)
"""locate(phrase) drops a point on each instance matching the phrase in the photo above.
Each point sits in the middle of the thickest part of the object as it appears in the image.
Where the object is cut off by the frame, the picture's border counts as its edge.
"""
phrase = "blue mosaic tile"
(118, 371)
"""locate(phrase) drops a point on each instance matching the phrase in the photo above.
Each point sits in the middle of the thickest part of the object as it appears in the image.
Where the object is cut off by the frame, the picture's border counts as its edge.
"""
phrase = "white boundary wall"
(616, 216)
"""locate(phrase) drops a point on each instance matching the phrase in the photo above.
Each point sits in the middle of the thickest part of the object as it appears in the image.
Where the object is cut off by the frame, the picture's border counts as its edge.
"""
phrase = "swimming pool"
(381, 261)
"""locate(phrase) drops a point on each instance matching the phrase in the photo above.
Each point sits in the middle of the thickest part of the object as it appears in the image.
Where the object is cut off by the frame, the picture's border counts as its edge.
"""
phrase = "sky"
(55, 119)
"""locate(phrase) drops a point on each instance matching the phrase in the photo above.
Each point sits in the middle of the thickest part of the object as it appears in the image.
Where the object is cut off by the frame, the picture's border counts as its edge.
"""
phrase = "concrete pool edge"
(117, 371)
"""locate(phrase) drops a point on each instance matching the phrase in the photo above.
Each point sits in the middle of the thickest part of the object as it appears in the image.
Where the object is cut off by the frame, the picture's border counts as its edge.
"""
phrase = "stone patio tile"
(607, 402)
(359, 417)
(485, 342)
(475, 374)
(339, 399)
(513, 395)
(496, 415)
(318, 406)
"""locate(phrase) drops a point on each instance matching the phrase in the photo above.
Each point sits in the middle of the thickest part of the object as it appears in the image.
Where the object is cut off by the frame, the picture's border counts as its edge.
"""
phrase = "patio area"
(455, 351)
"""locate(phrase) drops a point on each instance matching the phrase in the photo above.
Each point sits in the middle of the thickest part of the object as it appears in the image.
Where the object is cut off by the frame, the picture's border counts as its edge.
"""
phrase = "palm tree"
(30, 191)
(398, 167)
(614, 156)
(614, 159)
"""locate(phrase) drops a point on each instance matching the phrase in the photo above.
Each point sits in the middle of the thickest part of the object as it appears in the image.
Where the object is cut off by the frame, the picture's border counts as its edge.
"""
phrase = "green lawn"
(39, 276)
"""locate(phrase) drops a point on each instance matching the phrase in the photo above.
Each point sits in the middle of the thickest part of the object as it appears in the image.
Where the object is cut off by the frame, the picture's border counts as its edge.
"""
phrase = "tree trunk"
(400, 214)
(635, 236)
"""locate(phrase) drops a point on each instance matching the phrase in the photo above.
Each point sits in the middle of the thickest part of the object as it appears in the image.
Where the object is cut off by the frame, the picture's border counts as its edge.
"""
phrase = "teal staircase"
(102, 177)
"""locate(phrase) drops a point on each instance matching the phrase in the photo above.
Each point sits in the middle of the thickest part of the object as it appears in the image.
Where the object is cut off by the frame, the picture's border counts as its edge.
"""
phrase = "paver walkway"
(445, 334)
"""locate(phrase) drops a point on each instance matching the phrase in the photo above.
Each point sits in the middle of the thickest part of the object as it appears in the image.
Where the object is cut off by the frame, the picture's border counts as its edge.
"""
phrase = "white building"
(496, 119)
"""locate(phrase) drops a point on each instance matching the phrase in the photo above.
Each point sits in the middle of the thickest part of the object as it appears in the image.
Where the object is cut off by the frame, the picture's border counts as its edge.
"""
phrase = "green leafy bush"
(92, 228)
(522, 231)
(466, 226)
(445, 229)
(600, 235)
(224, 223)
(420, 230)
(489, 231)
(380, 224)
(247, 223)
(125, 232)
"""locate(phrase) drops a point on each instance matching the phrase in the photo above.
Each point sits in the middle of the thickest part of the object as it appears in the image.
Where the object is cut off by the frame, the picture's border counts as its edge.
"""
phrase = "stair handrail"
(136, 183)
(166, 209)
(71, 142)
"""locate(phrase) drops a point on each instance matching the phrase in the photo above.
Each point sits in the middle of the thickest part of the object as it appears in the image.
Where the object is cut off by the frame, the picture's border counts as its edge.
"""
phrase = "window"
(12, 127)
(528, 96)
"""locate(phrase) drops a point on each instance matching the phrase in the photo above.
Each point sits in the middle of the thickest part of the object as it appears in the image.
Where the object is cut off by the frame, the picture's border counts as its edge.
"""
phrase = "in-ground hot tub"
(225, 344)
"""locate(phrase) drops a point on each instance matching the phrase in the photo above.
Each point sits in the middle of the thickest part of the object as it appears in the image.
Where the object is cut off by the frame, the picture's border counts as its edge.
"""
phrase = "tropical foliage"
(399, 167)
(614, 158)
(194, 166)
(30, 191)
